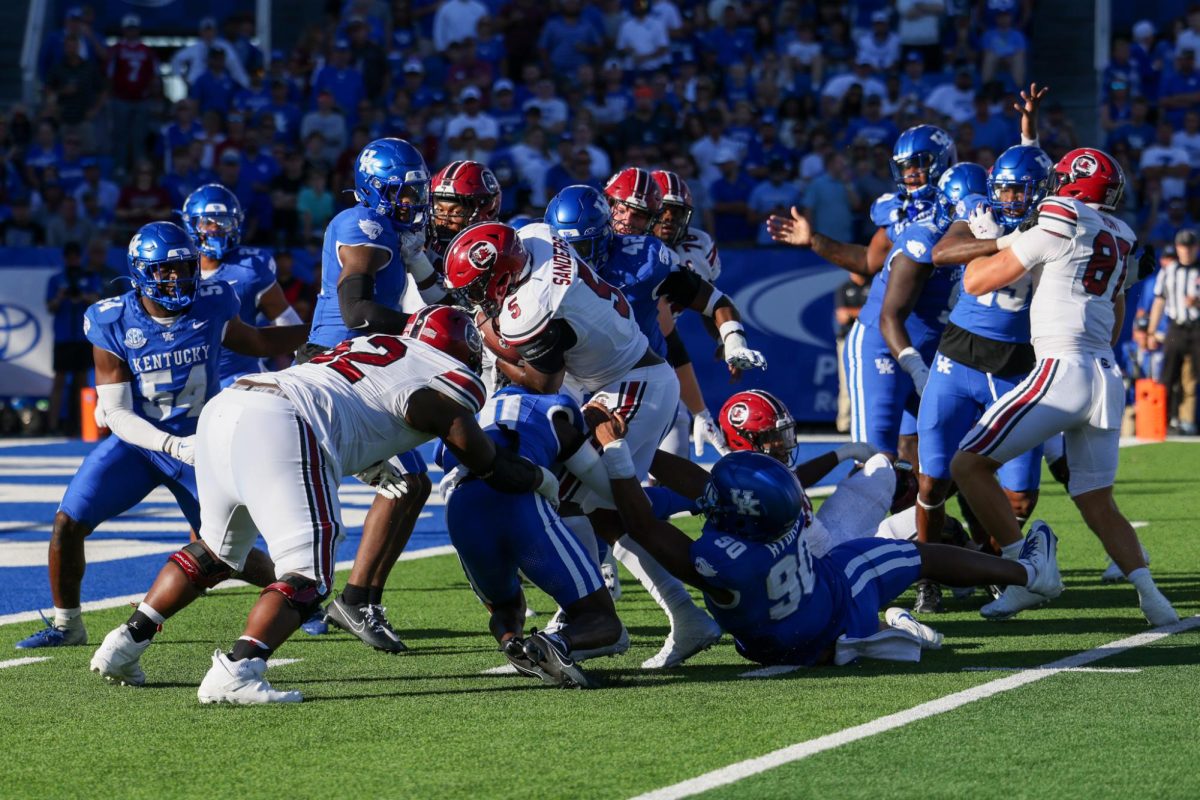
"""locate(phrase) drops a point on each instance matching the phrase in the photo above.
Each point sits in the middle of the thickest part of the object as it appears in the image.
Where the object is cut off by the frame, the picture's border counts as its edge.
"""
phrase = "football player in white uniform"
(697, 251)
(270, 452)
(1078, 253)
(574, 332)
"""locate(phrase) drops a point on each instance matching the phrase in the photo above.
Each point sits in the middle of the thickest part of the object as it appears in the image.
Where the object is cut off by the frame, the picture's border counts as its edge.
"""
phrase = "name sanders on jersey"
(174, 358)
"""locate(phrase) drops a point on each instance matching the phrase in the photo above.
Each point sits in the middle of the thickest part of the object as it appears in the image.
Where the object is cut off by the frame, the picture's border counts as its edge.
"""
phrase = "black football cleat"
(929, 598)
(563, 671)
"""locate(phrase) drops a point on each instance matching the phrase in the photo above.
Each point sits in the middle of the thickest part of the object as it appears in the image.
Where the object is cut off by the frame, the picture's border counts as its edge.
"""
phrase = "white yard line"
(770, 672)
(20, 662)
(503, 669)
(1069, 669)
(116, 602)
(282, 662)
(753, 766)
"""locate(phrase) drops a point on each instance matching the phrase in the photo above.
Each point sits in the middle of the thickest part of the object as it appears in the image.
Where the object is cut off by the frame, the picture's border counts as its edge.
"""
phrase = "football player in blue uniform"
(985, 350)
(898, 335)
(157, 351)
(213, 217)
(921, 155)
(369, 251)
(498, 534)
(781, 604)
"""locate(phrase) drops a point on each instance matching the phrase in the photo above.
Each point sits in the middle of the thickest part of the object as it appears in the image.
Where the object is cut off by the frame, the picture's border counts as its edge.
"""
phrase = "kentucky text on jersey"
(174, 358)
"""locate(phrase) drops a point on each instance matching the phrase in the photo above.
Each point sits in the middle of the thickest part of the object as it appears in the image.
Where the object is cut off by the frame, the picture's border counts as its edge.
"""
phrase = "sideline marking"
(20, 662)
(124, 600)
(744, 769)
(503, 669)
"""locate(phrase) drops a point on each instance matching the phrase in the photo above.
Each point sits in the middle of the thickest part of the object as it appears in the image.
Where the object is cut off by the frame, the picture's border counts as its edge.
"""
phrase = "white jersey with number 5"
(608, 341)
(355, 396)
(1079, 257)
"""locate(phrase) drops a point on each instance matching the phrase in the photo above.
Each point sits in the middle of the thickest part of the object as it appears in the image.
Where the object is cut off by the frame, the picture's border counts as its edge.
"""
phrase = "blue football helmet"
(753, 496)
(521, 220)
(580, 215)
(928, 149)
(390, 178)
(960, 181)
(213, 217)
(1022, 174)
(165, 264)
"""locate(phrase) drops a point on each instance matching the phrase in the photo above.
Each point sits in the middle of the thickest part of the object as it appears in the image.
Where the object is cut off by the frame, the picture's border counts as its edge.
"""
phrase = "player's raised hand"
(794, 230)
(1031, 100)
(704, 429)
(983, 224)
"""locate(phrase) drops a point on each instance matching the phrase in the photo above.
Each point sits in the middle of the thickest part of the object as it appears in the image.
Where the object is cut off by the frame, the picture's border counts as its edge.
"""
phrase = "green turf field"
(428, 724)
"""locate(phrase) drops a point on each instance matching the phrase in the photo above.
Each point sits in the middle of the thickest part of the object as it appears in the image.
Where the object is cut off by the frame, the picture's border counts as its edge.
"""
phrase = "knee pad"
(202, 569)
(302, 593)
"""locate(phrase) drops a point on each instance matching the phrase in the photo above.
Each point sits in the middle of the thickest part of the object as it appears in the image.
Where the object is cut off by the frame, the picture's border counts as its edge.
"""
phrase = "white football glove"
(911, 362)
(548, 488)
(182, 448)
(856, 451)
(704, 429)
(745, 358)
(412, 244)
(387, 480)
(983, 224)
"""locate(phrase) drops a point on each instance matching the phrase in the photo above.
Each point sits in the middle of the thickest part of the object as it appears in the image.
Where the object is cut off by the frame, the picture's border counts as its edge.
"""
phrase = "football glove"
(182, 448)
(856, 451)
(911, 362)
(386, 479)
(983, 224)
(412, 244)
(1147, 263)
(705, 430)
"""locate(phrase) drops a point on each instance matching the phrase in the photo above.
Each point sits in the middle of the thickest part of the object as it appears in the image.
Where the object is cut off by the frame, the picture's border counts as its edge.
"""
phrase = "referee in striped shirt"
(1177, 294)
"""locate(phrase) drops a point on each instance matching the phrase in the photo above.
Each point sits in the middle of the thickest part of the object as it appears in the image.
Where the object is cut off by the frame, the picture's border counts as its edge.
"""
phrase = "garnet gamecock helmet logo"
(1084, 166)
(483, 256)
(737, 414)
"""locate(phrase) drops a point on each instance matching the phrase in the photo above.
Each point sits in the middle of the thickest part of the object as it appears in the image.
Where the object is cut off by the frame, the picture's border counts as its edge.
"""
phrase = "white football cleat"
(240, 683)
(556, 623)
(1012, 601)
(117, 658)
(686, 639)
(1040, 552)
(1157, 607)
(615, 649)
(1114, 574)
(901, 619)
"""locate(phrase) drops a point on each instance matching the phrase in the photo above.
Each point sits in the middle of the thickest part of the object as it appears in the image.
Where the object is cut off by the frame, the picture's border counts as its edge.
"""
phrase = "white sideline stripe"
(20, 662)
(281, 662)
(770, 672)
(802, 750)
(503, 669)
(1139, 523)
(124, 600)
(1069, 669)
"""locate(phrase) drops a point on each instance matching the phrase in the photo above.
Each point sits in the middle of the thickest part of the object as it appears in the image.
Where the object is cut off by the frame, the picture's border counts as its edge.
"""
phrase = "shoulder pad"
(107, 311)
(967, 205)
(527, 312)
(885, 210)
(1058, 215)
(362, 226)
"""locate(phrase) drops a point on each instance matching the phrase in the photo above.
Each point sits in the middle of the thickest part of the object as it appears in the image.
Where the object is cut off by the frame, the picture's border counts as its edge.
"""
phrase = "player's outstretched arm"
(797, 231)
(275, 307)
(960, 246)
(114, 395)
(263, 342)
(994, 272)
(667, 544)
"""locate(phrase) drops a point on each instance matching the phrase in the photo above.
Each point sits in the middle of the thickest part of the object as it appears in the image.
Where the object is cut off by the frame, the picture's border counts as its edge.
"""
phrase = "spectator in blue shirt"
(183, 177)
(575, 168)
(1180, 90)
(509, 118)
(731, 43)
(215, 88)
(182, 132)
(68, 295)
(1137, 131)
(70, 167)
(775, 195)
(255, 204)
(830, 199)
(284, 114)
(1004, 48)
(489, 46)
(255, 97)
(766, 147)
(46, 151)
(568, 41)
(991, 130)
(343, 81)
(258, 162)
(1120, 68)
(1170, 222)
(730, 193)
(871, 127)
(738, 87)
(1150, 58)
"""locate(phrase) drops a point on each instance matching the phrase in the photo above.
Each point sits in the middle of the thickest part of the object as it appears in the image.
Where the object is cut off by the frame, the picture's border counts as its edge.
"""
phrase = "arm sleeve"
(361, 313)
(547, 351)
(681, 287)
(116, 403)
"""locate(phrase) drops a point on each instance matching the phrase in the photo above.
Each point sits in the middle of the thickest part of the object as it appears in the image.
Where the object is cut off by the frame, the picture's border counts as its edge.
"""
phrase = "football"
(493, 341)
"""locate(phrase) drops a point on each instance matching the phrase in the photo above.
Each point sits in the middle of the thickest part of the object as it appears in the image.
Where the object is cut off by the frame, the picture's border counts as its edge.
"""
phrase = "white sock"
(155, 617)
(581, 526)
(65, 616)
(1012, 551)
(667, 590)
(1141, 580)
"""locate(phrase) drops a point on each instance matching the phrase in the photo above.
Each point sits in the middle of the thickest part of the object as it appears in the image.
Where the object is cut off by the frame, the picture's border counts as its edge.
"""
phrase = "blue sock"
(666, 502)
